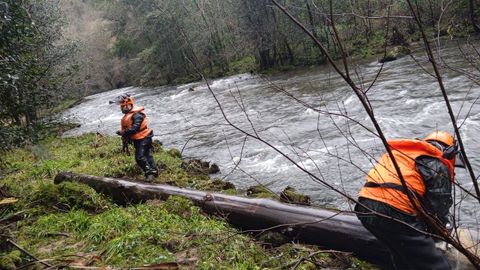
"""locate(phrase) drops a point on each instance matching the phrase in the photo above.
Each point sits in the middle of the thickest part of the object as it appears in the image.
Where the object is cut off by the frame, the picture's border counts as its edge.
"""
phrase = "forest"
(55, 51)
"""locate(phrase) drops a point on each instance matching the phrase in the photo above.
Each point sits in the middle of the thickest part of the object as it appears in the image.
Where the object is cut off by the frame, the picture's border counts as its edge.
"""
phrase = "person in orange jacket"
(134, 128)
(427, 167)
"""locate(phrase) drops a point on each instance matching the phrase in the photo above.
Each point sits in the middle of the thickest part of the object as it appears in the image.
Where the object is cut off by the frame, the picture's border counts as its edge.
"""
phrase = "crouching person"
(427, 167)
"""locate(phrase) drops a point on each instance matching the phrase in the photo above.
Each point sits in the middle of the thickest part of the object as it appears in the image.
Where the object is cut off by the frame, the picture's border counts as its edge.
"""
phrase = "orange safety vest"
(127, 123)
(383, 183)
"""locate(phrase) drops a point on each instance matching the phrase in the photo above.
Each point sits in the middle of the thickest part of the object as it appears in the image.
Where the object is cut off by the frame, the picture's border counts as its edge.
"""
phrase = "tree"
(473, 15)
(31, 63)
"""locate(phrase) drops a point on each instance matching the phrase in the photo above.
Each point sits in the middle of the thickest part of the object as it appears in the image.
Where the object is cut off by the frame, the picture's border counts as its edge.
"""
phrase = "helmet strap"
(451, 151)
(127, 108)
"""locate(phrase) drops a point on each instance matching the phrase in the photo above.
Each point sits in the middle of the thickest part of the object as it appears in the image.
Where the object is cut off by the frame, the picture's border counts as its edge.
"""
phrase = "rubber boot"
(155, 172)
(149, 174)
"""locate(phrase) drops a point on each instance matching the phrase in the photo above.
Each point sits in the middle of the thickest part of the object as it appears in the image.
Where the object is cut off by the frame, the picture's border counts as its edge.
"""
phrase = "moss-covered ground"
(70, 225)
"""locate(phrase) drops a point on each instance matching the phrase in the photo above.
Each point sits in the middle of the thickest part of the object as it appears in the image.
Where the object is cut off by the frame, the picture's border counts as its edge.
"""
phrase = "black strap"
(390, 185)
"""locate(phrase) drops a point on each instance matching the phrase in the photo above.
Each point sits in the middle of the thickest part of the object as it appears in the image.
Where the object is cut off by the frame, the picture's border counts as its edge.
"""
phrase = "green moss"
(69, 195)
(9, 261)
(290, 195)
(217, 185)
(174, 152)
(96, 155)
(260, 191)
(178, 205)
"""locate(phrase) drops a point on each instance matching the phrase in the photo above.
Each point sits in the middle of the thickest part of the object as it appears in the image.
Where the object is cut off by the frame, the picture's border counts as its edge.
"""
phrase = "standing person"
(427, 167)
(134, 128)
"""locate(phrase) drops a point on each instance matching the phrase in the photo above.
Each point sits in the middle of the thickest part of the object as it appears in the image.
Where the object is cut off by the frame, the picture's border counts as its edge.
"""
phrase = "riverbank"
(71, 225)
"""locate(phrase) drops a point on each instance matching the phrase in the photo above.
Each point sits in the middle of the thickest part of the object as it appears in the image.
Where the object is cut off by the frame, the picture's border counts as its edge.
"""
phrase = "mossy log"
(326, 228)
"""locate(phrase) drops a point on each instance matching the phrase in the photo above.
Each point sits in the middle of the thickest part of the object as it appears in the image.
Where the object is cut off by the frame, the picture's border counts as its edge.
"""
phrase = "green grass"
(141, 235)
(70, 223)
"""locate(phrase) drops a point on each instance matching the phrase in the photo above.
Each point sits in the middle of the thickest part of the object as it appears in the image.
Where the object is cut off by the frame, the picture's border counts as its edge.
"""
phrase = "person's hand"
(449, 227)
(449, 223)
(119, 133)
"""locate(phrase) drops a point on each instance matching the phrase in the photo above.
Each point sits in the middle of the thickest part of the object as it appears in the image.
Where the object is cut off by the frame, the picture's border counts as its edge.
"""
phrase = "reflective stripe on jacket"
(383, 183)
(126, 123)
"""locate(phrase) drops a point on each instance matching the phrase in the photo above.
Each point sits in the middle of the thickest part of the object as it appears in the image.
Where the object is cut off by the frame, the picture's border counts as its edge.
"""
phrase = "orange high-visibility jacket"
(127, 123)
(383, 183)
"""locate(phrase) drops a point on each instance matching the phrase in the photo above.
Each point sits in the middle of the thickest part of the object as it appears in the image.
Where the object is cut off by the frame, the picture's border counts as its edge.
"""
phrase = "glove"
(447, 220)
(448, 223)
(449, 228)
(119, 133)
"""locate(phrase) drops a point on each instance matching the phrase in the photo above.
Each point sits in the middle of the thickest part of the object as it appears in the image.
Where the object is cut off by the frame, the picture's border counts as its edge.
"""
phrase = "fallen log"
(326, 228)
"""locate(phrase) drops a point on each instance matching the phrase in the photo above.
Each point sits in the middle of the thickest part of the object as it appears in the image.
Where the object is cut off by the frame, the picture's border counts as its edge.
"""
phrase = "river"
(407, 103)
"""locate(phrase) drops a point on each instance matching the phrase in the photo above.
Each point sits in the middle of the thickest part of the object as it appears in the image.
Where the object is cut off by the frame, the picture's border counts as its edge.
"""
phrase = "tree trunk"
(265, 61)
(472, 16)
(369, 22)
(432, 15)
(310, 19)
(291, 59)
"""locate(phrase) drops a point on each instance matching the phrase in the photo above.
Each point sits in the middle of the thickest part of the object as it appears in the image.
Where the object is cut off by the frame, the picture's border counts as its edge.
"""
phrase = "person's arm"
(438, 188)
(137, 120)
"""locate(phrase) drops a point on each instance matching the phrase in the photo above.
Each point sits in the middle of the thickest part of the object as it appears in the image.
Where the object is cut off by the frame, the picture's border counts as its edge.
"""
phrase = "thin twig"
(183, 148)
(11, 242)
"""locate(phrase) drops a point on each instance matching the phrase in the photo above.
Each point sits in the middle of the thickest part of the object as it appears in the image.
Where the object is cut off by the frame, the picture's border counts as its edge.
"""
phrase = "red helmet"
(124, 100)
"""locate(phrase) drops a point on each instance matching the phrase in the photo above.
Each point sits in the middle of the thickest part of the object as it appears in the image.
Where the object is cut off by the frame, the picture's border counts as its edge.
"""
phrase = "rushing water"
(407, 103)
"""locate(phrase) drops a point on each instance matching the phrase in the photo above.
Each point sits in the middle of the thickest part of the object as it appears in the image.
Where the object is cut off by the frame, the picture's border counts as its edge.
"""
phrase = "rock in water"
(213, 169)
(222, 185)
(199, 167)
(260, 191)
(395, 53)
(290, 195)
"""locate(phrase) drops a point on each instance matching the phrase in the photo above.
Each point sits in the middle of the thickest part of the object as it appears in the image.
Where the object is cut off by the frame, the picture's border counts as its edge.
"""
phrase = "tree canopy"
(53, 50)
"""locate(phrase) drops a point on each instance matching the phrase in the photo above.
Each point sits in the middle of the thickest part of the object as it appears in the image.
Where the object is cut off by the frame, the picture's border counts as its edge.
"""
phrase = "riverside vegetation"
(71, 225)
(51, 53)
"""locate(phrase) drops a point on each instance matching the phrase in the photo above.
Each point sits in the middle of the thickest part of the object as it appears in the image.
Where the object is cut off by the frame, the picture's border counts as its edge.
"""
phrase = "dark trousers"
(410, 248)
(143, 155)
